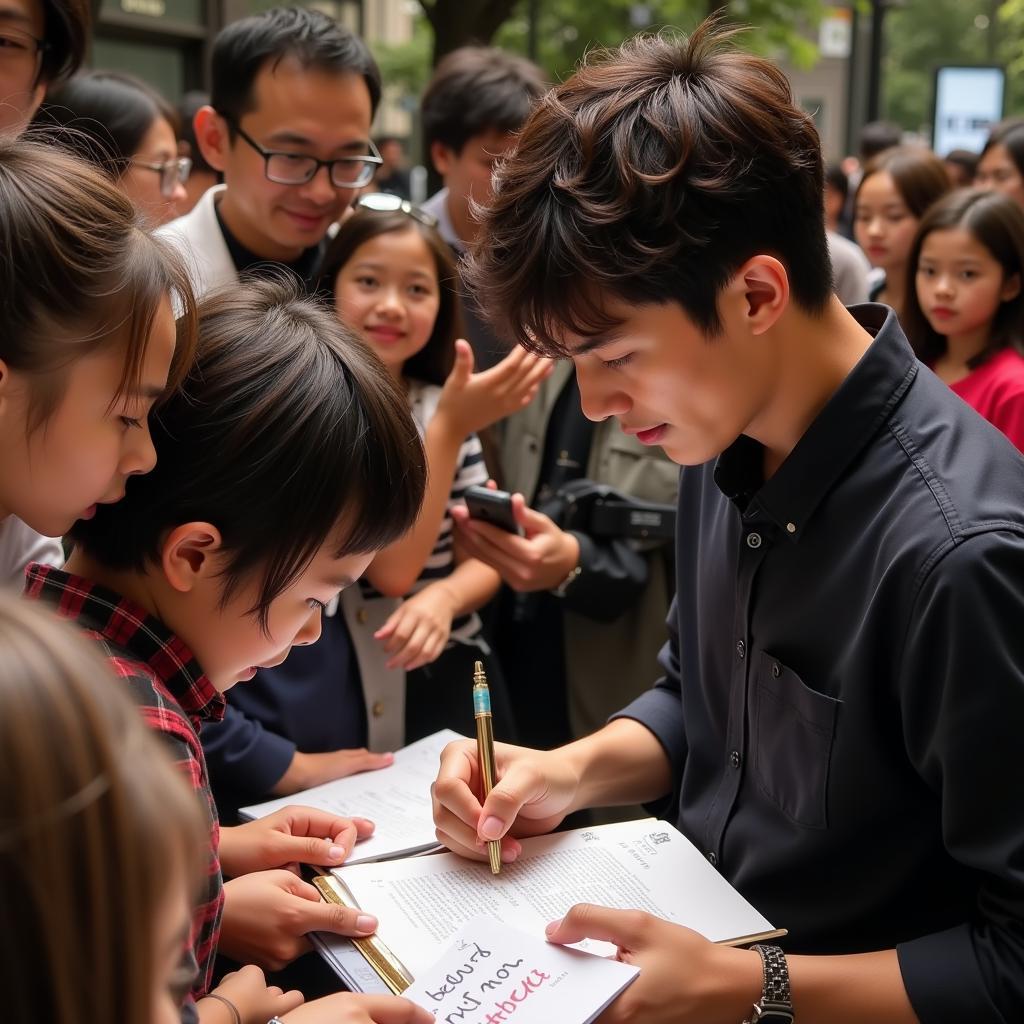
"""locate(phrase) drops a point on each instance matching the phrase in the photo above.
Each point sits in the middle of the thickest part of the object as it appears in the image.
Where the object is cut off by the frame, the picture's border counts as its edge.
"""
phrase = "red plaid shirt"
(175, 698)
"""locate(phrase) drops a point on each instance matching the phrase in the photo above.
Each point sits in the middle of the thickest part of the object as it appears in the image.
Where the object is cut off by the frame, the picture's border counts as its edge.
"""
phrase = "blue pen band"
(481, 701)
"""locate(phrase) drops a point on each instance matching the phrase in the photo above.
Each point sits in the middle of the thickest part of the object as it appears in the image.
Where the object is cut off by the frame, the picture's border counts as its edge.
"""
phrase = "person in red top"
(209, 568)
(965, 314)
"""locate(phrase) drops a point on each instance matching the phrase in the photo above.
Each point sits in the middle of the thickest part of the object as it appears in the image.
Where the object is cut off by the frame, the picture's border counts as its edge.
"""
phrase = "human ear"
(1011, 288)
(188, 555)
(212, 137)
(761, 287)
(441, 156)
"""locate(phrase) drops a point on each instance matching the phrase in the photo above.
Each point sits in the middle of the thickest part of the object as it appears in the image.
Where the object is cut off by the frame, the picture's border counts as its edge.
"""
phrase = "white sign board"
(968, 101)
(835, 33)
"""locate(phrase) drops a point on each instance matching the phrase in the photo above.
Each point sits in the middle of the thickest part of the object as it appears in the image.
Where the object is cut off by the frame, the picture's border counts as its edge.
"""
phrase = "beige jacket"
(608, 664)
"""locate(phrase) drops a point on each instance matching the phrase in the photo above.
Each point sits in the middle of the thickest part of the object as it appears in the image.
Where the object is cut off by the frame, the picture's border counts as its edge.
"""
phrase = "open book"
(421, 903)
(396, 799)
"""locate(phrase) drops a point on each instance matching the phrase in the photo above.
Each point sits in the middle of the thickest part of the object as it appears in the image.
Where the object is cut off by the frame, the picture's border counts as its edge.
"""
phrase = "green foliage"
(407, 67)
(567, 29)
(921, 35)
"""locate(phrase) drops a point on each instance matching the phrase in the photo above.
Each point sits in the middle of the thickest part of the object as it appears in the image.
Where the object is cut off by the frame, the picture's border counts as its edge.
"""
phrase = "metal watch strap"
(775, 1005)
(562, 587)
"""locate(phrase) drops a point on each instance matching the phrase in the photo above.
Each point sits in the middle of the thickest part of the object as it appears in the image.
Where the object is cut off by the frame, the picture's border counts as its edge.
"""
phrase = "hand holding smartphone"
(494, 507)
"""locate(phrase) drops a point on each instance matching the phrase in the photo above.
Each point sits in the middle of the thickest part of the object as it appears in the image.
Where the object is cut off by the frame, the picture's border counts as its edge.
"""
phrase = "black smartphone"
(494, 507)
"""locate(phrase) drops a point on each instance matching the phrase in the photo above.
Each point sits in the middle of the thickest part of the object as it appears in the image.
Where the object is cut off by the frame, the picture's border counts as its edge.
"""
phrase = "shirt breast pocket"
(793, 732)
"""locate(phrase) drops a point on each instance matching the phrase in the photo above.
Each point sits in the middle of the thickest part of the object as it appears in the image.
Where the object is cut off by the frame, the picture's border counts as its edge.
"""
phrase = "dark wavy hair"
(286, 428)
(995, 222)
(107, 115)
(651, 175)
(434, 361)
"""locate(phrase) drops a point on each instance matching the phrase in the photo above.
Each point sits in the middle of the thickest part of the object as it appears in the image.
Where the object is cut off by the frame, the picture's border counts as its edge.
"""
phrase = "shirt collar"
(850, 418)
(306, 268)
(128, 625)
(437, 205)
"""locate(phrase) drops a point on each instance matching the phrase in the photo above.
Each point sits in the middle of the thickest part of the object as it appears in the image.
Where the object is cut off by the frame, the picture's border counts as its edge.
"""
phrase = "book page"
(396, 799)
(492, 972)
(642, 865)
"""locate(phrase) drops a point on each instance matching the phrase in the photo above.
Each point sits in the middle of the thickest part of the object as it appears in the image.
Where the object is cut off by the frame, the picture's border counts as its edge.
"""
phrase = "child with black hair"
(965, 314)
(270, 498)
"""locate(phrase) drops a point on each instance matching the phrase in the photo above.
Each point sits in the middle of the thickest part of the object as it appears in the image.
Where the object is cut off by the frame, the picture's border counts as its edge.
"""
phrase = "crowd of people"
(245, 385)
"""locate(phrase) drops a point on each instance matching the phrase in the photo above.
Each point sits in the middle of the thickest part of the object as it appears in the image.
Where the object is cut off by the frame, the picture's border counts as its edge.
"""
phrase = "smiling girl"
(965, 315)
(394, 282)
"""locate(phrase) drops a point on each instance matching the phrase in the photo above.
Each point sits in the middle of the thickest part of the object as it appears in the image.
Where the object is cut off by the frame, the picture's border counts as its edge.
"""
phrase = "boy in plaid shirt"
(265, 502)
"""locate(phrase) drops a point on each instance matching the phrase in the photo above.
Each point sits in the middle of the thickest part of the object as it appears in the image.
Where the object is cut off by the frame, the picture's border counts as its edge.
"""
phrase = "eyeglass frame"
(397, 205)
(374, 159)
(182, 165)
(42, 46)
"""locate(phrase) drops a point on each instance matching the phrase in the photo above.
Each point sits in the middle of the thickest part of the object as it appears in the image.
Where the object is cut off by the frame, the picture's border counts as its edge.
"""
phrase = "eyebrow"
(599, 340)
(372, 265)
(339, 582)
(148, 391)
(289, 138)
(13, 14)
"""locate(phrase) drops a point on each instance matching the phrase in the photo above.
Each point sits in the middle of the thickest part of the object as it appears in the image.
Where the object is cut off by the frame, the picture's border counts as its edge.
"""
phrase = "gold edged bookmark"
(749, 940)
(391, 970)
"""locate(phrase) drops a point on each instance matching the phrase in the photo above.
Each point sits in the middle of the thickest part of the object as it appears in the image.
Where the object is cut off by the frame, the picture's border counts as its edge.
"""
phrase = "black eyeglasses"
(172, 172)
(299, 169)
(384, 202)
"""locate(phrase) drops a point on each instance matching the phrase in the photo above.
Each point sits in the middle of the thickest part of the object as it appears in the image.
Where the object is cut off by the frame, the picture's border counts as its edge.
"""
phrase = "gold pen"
(485, 750)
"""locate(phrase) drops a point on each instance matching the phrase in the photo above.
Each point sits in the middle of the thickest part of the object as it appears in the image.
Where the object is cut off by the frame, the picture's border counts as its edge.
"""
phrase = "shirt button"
(741, 648)
(776, 670)
(378, 708)
(361, 616)
(753, 540)
(735, 760)
(712, 859)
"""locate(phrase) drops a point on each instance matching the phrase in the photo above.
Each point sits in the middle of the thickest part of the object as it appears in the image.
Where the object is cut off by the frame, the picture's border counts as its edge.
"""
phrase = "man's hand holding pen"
(535, 790)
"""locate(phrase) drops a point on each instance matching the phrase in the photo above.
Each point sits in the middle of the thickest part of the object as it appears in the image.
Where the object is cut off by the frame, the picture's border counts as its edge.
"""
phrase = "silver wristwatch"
(570, 579)
(775, 1005)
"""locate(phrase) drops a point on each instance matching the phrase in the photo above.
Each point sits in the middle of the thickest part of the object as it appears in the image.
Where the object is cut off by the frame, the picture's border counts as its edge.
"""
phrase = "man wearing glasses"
(41, 42)
(289, 129)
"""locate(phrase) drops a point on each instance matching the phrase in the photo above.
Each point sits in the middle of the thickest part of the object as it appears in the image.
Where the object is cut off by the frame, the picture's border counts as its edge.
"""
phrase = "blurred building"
(166, 42)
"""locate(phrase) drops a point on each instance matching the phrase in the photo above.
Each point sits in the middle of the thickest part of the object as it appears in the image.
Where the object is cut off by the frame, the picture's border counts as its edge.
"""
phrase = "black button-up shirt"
(843, 703)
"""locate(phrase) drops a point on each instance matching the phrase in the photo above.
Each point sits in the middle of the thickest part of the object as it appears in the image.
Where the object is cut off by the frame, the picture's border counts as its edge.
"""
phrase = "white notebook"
(421, 903)
(492, 972)
(396, 799)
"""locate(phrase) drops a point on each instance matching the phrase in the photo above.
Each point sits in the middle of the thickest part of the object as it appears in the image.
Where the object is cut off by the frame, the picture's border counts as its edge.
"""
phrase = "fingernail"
(508, 854)
(366, 923)
(552, 928)
(492, 828)
(336, 852)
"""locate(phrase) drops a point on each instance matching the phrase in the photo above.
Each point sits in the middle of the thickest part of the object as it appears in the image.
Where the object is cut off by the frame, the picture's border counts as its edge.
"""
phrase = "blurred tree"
(460, 22)
(921, 35)
(566, 29)
(783, 29)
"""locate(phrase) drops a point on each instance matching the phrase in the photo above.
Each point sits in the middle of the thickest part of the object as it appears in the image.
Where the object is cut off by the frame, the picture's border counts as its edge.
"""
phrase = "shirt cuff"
(944, 981)
(271, 757)
(661, 712)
